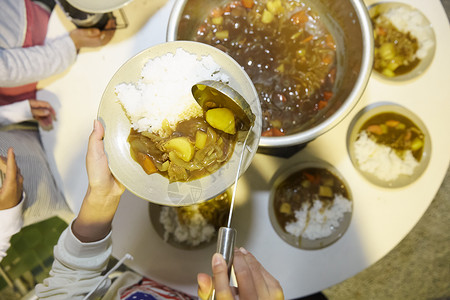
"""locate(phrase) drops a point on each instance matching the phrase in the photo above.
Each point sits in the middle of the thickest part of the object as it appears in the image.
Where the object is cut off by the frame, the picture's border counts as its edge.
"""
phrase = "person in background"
(84, 248)
(25, 58)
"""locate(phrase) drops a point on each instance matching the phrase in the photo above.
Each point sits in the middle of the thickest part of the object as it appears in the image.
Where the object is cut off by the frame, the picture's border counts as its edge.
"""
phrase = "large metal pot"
(348, 21)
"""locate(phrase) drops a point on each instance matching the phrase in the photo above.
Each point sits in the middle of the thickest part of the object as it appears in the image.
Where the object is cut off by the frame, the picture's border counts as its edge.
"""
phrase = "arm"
(20, 66)
(84, 248)
(11, 193)
(254, 282)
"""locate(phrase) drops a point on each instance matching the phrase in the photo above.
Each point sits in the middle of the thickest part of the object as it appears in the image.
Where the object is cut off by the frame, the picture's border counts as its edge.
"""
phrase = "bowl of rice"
(310, 204)
(389, 145)
(405, 42)
(149, 96)
(191, 227)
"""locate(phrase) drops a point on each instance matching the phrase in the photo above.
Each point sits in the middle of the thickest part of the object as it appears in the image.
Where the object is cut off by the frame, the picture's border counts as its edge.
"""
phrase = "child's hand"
(12, 181)
(103, 195)
(254, 282)
(43, 112)
(93, 37)
(101, 181)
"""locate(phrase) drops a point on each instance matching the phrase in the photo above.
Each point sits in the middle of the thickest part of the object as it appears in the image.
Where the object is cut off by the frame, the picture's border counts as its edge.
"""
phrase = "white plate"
(156, 188)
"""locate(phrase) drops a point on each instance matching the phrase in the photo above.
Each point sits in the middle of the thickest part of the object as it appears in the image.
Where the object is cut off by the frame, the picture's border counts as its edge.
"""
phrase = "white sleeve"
(76, 269)
(19, 66)
(15, 113)
(11, 222)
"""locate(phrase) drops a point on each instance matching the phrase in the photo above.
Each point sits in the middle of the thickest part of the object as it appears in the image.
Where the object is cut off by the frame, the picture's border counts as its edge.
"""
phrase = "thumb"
(205, 286)
(95, 145)
(221, 280)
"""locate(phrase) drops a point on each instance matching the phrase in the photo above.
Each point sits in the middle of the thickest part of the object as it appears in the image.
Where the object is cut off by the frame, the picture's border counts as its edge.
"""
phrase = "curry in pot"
(286, 49)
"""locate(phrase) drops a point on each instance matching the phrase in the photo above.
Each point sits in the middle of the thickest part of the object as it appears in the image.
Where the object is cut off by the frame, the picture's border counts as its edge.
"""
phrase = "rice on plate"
(157, 187)
(164, 90)
(172, 135)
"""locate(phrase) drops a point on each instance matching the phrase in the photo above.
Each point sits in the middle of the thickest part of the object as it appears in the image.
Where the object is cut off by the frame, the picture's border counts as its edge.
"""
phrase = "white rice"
(164, 90)
(313, 222)
(197, 231)
(410, 20)
(381, 160)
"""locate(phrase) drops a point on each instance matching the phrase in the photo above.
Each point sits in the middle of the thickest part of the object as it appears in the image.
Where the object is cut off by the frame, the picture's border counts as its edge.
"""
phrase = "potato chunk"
(222, 119)
(200, 139)
(182, 147)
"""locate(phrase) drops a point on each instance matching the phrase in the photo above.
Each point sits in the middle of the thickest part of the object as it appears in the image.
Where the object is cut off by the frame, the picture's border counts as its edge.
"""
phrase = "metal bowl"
(353, 132)
(349, 23)
(425, 62)
(303, 242)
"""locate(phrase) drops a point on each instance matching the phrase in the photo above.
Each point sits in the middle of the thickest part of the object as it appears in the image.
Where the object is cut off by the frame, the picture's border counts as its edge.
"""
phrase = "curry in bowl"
(389, 145)
(310, 205)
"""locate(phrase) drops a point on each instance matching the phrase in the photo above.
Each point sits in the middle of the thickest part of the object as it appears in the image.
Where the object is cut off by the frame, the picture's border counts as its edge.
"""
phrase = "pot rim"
(352, 100)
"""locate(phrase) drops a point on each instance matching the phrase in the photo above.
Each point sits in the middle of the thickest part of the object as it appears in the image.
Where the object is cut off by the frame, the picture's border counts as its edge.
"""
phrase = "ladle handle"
(225, 246)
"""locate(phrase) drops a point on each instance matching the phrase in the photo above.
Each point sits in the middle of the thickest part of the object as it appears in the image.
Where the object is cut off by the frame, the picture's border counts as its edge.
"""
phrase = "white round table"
(381, 217)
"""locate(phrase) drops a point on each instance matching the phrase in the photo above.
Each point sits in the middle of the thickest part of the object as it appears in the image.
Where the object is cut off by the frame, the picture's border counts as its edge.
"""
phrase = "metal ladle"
(213, 94)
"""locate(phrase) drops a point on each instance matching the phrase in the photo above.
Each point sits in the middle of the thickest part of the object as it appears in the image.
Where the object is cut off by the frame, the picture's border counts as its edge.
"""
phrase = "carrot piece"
(272, 132)
(380, 30)
(267, 133)
(299, 18)
(277, 132)
(146, 163)
(235, 4)
(327, 95)
(376, 129)
(247, 3)
(312, 178)
(201, 29)
(322, 104)
(216, 12)
(307, 39)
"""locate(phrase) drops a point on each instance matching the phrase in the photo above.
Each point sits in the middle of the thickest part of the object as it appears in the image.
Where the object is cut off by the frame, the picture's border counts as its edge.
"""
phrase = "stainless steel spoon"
(211, 94)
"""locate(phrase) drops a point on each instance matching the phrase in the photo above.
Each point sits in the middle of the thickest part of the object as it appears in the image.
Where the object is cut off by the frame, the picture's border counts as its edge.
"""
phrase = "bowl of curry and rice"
(309, 60)
(161, 144)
